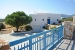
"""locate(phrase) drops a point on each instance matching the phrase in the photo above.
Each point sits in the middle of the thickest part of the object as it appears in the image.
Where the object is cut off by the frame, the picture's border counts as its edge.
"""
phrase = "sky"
(36, 6)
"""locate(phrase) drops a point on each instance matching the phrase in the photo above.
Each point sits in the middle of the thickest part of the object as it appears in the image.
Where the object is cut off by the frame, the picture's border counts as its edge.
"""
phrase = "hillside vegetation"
(1, 20)
(67, 19)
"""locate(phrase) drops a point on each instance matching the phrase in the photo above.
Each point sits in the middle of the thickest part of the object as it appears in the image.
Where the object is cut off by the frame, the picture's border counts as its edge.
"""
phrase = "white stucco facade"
(40, 19)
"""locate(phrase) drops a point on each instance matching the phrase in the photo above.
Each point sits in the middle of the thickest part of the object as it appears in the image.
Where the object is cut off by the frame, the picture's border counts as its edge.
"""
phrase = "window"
(48, 17)
(35, 19)
(43, 19)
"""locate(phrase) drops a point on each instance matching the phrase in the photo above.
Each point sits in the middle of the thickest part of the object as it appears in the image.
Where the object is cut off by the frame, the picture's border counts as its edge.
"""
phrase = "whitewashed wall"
(39, 23)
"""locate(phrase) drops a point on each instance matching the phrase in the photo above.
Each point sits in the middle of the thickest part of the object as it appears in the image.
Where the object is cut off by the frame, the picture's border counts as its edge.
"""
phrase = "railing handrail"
(12, 43)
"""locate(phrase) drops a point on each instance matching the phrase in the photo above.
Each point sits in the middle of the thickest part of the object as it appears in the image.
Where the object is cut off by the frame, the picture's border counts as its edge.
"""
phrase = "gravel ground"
(10, 37)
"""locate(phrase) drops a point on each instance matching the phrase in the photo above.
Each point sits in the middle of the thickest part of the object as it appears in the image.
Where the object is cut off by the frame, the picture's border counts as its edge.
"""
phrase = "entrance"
(48, 21)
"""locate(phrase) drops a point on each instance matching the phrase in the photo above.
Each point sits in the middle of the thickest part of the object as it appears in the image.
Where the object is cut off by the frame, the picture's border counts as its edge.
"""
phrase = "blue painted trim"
(46, 43)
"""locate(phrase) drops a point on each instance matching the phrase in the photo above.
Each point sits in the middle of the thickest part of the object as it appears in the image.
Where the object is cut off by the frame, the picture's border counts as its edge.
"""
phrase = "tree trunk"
(17, 29)
(0, 29)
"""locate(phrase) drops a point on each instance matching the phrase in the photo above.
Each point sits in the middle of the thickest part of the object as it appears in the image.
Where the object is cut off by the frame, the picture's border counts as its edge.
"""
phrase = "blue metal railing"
(40, 41)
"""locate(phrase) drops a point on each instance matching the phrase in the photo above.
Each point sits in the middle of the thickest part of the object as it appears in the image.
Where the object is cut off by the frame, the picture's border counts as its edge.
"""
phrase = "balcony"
(46, 40)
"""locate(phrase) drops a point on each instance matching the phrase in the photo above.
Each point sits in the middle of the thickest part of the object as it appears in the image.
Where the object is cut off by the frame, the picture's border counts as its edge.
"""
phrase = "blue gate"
(40, 41)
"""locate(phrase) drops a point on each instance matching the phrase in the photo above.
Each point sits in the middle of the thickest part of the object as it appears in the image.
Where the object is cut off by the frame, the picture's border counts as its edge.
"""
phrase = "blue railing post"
(62, 31)
(53, 37)
(40, 42)
(44, 41)
(58, 34)
(30, 43)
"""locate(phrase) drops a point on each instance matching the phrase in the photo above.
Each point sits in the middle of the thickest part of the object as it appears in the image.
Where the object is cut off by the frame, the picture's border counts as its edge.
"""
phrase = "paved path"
(66, 44)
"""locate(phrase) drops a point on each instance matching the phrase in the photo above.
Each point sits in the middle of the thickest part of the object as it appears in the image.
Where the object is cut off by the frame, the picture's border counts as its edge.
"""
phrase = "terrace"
(46, 40)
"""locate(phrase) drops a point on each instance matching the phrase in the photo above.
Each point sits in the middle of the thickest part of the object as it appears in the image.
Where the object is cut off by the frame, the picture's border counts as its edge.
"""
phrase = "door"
(48, 21)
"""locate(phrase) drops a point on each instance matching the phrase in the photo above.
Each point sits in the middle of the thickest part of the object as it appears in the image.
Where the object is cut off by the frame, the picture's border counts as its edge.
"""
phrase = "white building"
(41, 19)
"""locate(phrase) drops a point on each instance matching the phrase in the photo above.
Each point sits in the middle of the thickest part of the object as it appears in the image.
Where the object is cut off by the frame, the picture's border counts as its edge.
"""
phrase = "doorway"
(48, 21)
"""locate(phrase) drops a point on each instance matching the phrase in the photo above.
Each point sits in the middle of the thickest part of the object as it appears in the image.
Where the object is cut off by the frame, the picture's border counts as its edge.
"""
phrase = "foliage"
(59, 22)
(67, 19)
(53, 27)
(17, 19)
(54, 23)
(28, 28)
(44, 27)
(1, 20)
(2, 26)
(21, 28)
(63, 19)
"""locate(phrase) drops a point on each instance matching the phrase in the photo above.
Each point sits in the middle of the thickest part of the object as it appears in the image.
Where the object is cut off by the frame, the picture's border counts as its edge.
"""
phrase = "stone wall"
(68, 29)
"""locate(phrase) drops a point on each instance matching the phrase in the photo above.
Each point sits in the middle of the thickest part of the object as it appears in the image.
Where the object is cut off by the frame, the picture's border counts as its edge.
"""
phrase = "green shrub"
(21, 28)
(54, 23)
(2, 26)
(28, 28)
(44, 27)
(67, 19)
(53, 27)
